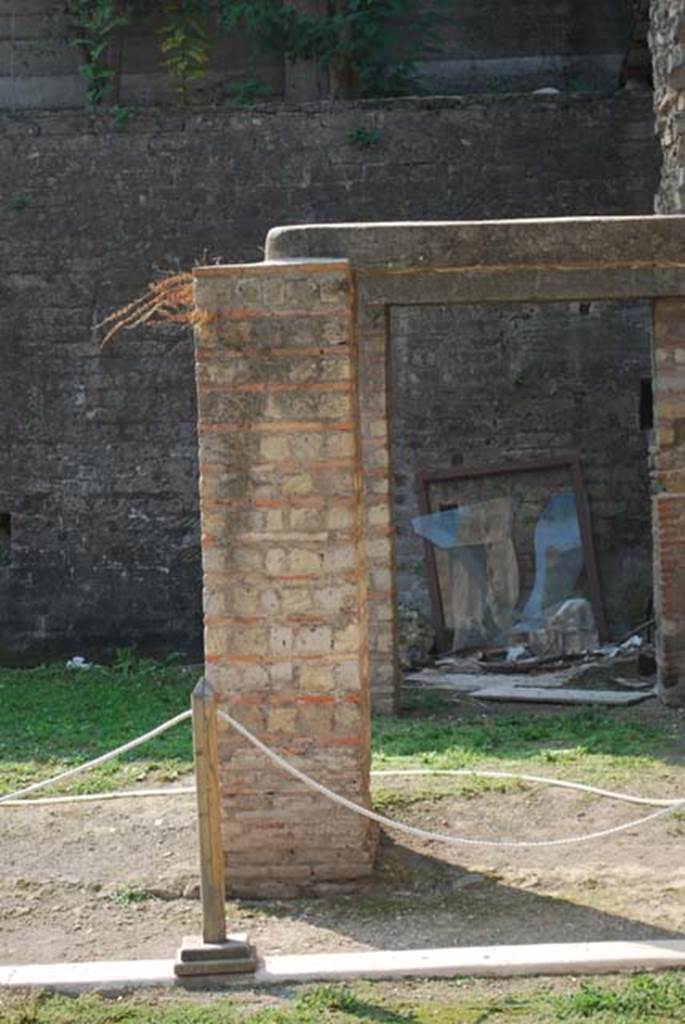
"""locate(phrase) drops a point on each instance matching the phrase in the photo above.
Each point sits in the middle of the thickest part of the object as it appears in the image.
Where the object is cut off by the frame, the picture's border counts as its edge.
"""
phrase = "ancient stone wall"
(667, 43)
(669, 496)
(481, 46)
(467, 264)
(521, 382)
(98, 475)
(39, 66)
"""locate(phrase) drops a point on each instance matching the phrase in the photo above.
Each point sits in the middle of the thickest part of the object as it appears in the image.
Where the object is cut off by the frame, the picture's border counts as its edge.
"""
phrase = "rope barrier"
(665, 806)
(424, 833)
(87, 765)
(120, 794)
(542, 780)
(114, 794)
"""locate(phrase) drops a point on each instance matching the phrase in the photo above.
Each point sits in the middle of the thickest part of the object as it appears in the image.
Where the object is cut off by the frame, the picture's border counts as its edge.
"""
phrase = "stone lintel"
(310, 263)
(624, 242)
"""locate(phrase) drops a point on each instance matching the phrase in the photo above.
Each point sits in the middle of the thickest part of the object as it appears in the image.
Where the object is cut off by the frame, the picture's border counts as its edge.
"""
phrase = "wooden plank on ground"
(465, 682)
(461, 682)
(561, 696)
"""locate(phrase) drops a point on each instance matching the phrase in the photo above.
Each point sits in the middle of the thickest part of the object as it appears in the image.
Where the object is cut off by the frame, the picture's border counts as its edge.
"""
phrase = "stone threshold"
(563, 958)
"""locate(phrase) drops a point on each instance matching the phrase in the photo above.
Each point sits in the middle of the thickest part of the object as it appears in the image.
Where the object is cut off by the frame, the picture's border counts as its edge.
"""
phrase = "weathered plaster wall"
(98, 466)
(520, 382)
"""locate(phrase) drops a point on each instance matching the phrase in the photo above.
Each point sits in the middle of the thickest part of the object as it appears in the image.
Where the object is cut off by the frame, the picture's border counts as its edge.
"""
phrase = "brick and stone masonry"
(668, 509)
(415, 264)
(296, 492)
(99, 475)
(283, 564)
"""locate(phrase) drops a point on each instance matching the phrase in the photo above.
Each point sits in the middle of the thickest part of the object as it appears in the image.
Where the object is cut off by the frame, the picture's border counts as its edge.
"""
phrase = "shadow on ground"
(421, 901)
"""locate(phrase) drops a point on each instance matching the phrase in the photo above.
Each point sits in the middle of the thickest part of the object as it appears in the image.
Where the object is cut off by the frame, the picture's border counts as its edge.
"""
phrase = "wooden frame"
(568, 462)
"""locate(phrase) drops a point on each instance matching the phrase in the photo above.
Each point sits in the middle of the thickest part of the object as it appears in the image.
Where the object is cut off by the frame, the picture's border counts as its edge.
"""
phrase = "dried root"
(169, 300)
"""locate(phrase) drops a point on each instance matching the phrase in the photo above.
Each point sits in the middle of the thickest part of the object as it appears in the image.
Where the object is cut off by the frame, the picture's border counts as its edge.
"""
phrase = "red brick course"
(284, 569)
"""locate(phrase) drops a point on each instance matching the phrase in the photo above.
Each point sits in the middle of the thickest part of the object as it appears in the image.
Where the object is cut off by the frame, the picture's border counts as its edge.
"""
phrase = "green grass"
(388, 800)
(588, 744)
(54, 718)
(642, 999)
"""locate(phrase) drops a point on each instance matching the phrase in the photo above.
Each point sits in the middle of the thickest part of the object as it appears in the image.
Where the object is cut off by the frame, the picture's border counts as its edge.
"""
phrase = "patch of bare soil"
(118, 879)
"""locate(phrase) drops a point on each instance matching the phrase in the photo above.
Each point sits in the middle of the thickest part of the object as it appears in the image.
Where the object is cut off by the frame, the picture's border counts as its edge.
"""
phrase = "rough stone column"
(284, 573)
(668, 502)
(667, 43)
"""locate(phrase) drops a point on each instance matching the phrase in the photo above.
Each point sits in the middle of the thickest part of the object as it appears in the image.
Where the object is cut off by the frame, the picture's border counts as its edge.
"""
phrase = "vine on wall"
(184, 41)
(92, 26)
(352, 39)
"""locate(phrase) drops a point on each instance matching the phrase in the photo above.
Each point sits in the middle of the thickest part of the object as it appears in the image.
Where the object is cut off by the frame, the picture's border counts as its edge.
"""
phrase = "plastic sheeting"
(558, 559)
(478, 570)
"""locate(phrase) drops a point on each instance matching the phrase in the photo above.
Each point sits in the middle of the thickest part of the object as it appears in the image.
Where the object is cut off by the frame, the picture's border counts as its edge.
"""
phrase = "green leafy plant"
(246, 92)
(357, 41)
(364, 137)
(121, 116)
(92, 23)
(353, 41)
(184, 41)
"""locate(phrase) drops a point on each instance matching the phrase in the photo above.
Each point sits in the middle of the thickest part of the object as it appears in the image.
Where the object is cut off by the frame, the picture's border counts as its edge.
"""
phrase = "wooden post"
(213, 952)
(206, 750)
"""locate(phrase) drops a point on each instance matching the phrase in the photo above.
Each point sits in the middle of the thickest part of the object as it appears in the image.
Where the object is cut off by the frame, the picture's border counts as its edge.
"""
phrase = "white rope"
(114, 794)
(121, 794)
(15, 799)
(628, 798)
(97, 760)
(423, 833)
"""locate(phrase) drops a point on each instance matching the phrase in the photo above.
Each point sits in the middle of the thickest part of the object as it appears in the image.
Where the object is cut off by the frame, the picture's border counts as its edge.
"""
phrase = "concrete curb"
(479, 961)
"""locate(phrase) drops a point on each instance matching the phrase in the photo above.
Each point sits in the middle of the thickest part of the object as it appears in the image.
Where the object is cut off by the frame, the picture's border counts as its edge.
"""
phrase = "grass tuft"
(645, 997)
(125, 895)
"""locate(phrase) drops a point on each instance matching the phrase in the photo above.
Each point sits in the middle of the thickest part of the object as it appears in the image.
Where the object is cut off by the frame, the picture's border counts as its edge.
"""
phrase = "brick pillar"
(372, 328)
(284, 573)
(668, 502)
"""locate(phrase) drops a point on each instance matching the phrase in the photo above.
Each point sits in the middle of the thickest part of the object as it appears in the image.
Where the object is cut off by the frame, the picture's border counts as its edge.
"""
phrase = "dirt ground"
(72, 877)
